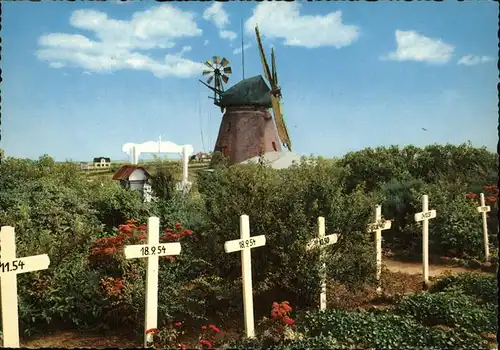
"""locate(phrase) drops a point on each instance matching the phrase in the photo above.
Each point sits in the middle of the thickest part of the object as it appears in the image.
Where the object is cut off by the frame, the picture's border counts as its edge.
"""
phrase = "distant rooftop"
(124, 172)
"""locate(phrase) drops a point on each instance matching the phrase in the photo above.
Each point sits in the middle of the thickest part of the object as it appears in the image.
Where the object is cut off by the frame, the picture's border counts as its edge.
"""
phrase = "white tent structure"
(134, 150)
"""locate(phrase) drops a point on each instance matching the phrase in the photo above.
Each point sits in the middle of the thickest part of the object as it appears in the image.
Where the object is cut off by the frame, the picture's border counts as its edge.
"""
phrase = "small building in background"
(84, 166)
(135, 178)
(102, 162)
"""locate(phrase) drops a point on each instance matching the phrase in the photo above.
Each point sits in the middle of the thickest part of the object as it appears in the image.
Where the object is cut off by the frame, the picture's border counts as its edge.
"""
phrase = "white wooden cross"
(378, 226)
(152, 251)
(244, 244)
(10, 266)
(425, 215)
(483, 209)
(320, 242)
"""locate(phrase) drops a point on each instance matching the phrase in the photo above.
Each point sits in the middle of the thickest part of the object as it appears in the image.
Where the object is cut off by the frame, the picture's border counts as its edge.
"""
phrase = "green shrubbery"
(481, 286)
(449, 163)
(432, 320)
(456, 231)
(58, 210)
(383, 330)
(284, 205)
(451, 309)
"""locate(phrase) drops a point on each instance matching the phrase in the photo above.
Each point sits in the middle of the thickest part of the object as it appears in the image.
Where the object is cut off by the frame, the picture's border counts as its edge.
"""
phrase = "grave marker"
(378, 226)
(483, 209)
(321, 242)
(152, 251)
(10, 266)
(244, 244)
(425, 215)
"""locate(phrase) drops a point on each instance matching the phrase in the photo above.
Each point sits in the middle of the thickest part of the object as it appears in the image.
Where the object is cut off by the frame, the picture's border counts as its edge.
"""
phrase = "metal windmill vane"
(217, 72)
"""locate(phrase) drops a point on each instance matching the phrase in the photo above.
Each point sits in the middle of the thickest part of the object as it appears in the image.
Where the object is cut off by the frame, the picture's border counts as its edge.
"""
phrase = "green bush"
(64, 296)
(457, 230)
(164, 178)
(400, 206)
(481, 286)
(284, 206)
(114, 205)
(48, 206)
(384, 330)
(450, 163)
(449, 309)
(317, 342)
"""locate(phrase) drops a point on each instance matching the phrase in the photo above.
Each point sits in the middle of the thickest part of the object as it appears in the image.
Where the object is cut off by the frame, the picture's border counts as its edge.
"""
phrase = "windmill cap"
(252, 91)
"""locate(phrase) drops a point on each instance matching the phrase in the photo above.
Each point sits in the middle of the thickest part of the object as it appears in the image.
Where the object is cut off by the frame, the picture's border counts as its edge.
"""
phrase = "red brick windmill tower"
(247, 128)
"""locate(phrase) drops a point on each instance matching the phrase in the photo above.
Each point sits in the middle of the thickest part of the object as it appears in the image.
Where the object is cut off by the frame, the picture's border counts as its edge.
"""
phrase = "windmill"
(216, 72)
(248, 128)
(272, 78)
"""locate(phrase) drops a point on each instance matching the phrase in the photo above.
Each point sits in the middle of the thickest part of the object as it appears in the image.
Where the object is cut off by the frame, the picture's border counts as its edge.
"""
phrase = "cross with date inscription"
(378, 226)
(425, 215)
(320, 242)
(10, 266)
(244, 244)
(152, 251)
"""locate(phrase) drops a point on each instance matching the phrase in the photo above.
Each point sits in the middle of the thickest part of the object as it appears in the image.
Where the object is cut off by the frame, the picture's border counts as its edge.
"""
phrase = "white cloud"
(238, 50)
(472, 60)
(412, 46)
(57, 65)
(284, 21)
(218, 16)
(205, 43)
(184, 50)
(227, 34)
(121, 44)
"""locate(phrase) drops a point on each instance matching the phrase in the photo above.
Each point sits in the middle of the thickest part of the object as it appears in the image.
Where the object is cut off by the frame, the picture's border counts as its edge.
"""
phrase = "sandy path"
(415, 268)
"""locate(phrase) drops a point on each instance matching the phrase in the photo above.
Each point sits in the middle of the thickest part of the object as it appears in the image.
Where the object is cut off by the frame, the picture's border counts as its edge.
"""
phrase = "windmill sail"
(272, 77)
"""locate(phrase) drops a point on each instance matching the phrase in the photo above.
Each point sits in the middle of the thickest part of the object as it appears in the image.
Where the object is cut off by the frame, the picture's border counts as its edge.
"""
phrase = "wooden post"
(425, 215)
(483, 209)
(152, 251)
(10, 266)
(378, 226)
(244, 244)
(320, 243)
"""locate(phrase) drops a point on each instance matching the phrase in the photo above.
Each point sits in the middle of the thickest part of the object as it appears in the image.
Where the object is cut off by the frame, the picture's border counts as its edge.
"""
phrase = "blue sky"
(81, 79)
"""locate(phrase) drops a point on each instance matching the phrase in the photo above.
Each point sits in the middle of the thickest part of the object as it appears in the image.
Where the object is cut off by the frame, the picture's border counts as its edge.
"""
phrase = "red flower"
(203, 328)
(207, 343)
(178, 324)
(491, 200)
(108, 251)
(125, 228)
(182, 346)
(288, 321)
(471, 196)
(215, 329)
(178, 226)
